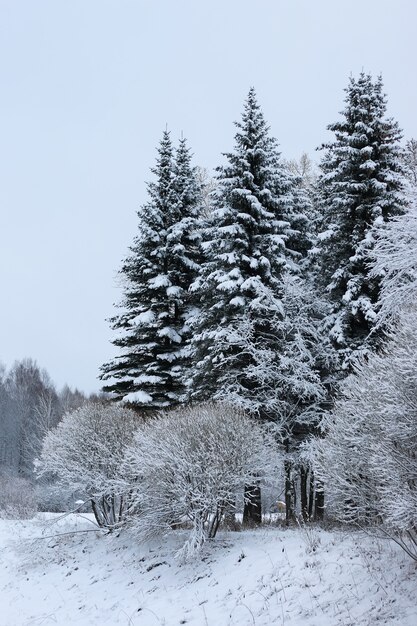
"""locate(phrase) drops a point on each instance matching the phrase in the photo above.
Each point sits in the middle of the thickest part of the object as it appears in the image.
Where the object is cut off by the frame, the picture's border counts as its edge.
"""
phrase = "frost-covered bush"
(368, 456)
(17, 497)
(84, 453)
(188, 466)
(395, 260)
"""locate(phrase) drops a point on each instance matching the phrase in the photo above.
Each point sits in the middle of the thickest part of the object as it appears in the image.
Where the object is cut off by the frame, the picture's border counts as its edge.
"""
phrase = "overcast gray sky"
(87, 87)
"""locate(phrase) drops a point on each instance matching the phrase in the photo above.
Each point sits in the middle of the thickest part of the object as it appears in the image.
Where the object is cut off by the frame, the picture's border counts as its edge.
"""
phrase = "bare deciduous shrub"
(84, 454)
(188, 465)
(367, 460)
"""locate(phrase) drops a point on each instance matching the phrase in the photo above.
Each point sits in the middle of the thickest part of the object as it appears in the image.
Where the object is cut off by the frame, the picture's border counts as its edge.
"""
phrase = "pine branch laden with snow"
(282, 376)
(187, 466)
(84, 454)
(361, 187)
(153, 330)
(367, 459)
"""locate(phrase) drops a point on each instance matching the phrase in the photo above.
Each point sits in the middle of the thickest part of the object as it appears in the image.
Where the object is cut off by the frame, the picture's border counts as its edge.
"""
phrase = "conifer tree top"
(163, 261)
(361, 187)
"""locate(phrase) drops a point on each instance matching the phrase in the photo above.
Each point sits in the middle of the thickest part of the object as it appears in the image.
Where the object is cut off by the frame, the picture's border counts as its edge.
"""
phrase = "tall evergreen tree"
(254, 245)
(253, 341)
(361, 187)
(162, 264)
(244, 247)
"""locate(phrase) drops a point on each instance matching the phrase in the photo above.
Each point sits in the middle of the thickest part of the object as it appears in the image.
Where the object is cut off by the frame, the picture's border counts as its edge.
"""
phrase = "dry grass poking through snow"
(266, 577)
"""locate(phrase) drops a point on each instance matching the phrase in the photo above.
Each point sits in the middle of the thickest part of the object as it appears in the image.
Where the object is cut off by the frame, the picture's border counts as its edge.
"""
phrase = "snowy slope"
(262, 578)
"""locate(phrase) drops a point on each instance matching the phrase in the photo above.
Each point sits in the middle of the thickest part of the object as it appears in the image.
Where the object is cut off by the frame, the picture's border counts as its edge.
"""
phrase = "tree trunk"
(121, 508)
(214, 524)
(289, 493)
(289, 487)
(252, 512)
(105, 511)
(303, 493)
(319, 508)
(311, 496)
(229, 516)
(97, 513)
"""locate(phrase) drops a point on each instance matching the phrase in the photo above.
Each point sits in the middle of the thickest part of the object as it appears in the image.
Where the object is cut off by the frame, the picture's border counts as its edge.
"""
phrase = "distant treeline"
(30, 406)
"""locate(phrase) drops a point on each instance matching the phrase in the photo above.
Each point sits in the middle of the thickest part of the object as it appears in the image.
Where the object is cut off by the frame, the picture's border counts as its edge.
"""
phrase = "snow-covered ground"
(266, 577)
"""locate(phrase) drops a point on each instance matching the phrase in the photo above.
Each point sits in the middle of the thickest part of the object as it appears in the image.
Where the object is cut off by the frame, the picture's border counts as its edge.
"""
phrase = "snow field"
(265, 577)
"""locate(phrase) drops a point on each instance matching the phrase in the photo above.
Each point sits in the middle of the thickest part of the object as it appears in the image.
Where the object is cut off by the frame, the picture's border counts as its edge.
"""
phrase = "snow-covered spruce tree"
(248, 346)
(368, 459)
(245, 255)
(84, 454)
(361, 187)
(188, 465)
(153, 330)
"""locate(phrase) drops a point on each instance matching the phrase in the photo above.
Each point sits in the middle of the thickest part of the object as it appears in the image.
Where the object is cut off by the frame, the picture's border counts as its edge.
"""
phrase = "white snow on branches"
(85, 451)
(187, 466)
(367, 458)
